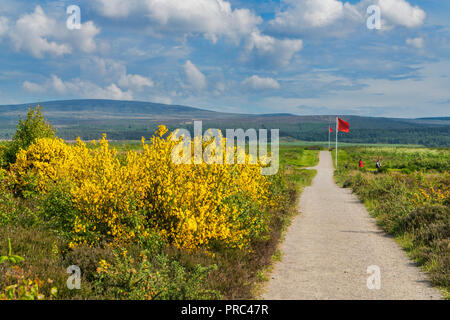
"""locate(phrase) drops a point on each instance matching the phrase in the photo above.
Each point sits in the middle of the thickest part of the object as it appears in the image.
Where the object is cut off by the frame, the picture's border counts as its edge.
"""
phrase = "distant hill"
(105, 109)
(436, 119)
(130, 120)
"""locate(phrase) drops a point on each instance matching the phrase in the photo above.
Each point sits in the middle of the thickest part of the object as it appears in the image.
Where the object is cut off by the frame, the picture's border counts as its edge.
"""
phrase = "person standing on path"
(361, 165)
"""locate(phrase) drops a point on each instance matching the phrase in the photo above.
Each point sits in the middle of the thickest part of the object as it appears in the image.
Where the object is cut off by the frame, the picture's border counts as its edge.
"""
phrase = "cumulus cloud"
(31, 33)
(271, 50)
(33, 87)
(400, 12)
(105, 68)
(111, 69)
(195, 78)
(115, 93)
(301, 16)
(77, 87)
(38, 34)
(84, 38)
(212, 18)
(335, 18)
(257, 83)
(53, 85)
(135, 81)
(127, 84)
(310, 13)
(415, 42)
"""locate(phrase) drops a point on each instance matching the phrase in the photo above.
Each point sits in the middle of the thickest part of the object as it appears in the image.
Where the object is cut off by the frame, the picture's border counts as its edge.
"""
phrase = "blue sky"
(296, 56)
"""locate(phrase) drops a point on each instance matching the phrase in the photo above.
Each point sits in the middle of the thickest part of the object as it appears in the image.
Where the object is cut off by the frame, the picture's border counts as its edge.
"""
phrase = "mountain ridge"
(176, 107)
(122, 120)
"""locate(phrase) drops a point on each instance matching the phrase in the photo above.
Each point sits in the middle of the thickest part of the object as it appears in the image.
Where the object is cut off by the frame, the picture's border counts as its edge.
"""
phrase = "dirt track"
(330, 245)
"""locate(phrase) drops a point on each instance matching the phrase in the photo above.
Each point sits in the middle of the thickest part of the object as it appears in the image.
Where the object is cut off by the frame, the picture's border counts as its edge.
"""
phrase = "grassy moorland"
(410, 198)
(137, 225)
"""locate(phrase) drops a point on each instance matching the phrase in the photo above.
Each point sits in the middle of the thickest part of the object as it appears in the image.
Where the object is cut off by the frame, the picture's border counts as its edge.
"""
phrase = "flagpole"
(329, 137)
(337, 142)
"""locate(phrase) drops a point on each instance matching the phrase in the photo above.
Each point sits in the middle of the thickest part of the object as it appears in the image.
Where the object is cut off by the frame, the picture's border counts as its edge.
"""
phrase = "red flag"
(343, 125)
(331, 129)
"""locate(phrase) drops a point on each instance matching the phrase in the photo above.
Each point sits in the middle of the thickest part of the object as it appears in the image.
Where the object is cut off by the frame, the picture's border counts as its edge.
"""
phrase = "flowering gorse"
(432, 195)
(127, 201)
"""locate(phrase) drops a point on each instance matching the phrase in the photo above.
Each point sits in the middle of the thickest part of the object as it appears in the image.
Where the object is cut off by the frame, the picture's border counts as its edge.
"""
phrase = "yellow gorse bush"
(117, 202)
(432, 195)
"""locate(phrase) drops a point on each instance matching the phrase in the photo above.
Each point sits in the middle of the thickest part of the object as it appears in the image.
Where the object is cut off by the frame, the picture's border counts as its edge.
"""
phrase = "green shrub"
(7, 207)
(27, 131)
(16, 210)
(425, 216)
(17, 286)
(57, 210)
(150, 277)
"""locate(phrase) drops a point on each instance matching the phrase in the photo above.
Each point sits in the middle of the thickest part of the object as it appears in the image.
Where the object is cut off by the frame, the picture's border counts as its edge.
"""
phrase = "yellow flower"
(122, 201)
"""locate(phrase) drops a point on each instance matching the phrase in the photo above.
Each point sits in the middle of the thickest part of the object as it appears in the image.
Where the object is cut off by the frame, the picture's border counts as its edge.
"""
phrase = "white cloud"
(111, 69)
(58, 85)
(400, 12)
(52, 85)
(415, 42)
(258, 83)
(336, 18)
(115, 93)
(212, 18)
(77, 87)
(37, 33)
(310, 13)
(84, 38)
(195, 78)
(31, 31)
(135, 81)
(301, 16)
(33, 87)
(105, 68)
(275, 51)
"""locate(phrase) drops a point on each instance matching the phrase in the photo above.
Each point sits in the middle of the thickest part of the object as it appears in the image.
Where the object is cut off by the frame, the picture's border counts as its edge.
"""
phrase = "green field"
(324, 144)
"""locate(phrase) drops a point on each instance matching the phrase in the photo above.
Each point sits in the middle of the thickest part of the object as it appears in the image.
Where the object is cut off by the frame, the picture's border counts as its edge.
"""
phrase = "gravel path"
(330, 245)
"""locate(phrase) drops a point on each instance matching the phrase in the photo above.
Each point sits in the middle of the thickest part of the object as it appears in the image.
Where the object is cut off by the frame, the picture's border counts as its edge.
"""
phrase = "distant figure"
(378, 164)
(361, 165)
